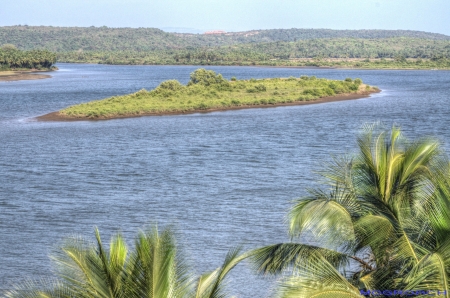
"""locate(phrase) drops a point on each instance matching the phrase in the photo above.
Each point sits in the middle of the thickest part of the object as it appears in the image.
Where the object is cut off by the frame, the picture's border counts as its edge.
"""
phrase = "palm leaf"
(274, 259)
(211, 285)
(316, 278)
(328, 217)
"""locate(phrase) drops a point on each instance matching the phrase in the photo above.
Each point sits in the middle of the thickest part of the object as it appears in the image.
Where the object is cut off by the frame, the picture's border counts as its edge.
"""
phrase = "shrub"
(353, 87)
(257, 88)
(348, 80)
(172, 85)
(206, 78)
(328, 91)
(341, 88)
(233, 79)
(314, 92)
(333, 85)
(201, 106)
(304, 78)
(239, 85)
(260, 88)
(357, 81)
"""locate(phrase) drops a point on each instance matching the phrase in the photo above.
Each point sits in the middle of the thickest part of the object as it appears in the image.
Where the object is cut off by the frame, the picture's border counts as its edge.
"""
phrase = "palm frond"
(211, 285)
(430, 273)
(327, 217)
(40, 289)
(274, 259)
(157, 268)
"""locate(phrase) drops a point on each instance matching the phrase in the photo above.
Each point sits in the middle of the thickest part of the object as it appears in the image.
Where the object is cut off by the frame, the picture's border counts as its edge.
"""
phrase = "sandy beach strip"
(7, 76)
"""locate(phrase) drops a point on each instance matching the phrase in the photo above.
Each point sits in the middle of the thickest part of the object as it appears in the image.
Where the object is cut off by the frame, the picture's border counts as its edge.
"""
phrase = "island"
(208, 91)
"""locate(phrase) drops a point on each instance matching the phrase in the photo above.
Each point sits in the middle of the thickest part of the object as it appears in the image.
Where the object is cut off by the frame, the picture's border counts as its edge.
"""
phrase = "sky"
(232, 15)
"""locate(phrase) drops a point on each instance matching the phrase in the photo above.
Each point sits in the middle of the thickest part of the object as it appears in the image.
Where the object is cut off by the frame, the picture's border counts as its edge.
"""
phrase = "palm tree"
(154, 269)
(382, 224)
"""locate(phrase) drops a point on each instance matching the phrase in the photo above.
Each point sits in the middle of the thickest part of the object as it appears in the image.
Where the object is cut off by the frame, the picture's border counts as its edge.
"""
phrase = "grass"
(210, 91)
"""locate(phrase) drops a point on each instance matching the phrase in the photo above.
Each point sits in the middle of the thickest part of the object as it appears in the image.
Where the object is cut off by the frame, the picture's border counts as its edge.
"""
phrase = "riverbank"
(6, 76)
(57, 116)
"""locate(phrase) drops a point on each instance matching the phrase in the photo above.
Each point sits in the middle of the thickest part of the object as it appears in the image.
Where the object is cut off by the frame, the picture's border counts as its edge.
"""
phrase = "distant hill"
(182, 30)
(291, 47)
(68, 39)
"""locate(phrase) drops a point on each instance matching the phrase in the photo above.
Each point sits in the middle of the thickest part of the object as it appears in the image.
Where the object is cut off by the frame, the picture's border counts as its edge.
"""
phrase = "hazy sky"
(232, 15)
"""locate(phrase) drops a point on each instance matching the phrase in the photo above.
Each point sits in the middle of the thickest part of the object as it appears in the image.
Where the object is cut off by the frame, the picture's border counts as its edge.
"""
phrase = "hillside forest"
(277, 47)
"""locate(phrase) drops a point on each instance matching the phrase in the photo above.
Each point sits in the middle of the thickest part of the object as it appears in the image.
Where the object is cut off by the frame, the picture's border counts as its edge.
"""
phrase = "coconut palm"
(383, 223)
(154, 269)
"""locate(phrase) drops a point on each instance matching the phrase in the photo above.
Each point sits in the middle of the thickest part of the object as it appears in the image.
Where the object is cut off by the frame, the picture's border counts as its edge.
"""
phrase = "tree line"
(389, 52)
(12, 58)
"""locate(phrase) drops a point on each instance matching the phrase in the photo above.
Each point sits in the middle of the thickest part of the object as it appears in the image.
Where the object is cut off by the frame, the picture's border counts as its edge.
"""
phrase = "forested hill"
(68, 39)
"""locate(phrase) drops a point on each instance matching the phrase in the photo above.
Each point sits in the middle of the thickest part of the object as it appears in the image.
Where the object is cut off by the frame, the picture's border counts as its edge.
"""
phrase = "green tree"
(383, 223)
(206, 78)
(154, 269)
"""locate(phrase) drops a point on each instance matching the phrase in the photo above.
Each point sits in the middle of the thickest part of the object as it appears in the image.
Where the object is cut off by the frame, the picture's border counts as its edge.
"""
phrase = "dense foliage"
(153, 269)
(66, 39)
(382, 223)
(370, 53)
(207, 90)
(12, 58)
(395, 48)
(258, 47)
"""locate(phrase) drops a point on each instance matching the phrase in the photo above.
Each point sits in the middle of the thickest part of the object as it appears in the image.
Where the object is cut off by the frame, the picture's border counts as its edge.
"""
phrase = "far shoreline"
(56, 117)
(265, 66)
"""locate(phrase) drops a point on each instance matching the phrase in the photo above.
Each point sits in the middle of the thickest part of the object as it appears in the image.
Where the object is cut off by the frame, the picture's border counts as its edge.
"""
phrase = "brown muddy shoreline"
(55, 116)
(9, 76)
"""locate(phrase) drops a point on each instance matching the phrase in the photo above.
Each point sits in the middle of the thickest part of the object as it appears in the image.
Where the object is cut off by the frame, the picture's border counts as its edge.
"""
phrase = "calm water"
(222, 179)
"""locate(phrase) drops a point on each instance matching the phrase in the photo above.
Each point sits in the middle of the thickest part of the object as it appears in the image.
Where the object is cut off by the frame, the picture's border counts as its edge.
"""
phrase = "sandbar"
(7, 76)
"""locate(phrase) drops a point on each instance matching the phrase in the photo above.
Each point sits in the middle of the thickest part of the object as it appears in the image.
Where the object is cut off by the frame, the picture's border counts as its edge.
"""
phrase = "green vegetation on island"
(380, 224)
(13, 59)
(279, 47)
(207, 90)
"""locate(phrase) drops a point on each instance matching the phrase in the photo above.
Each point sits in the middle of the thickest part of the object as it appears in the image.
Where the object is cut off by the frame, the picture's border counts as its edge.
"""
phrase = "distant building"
(215, 32)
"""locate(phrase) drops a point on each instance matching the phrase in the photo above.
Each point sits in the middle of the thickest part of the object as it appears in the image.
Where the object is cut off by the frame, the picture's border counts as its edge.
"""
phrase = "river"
(220, 179)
